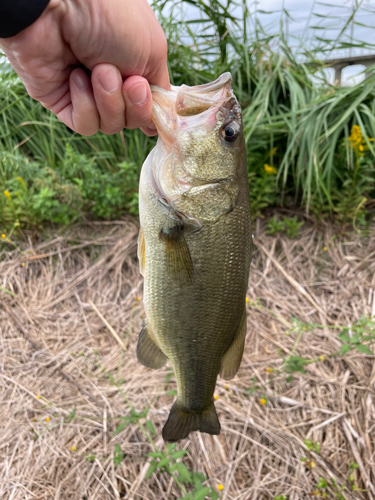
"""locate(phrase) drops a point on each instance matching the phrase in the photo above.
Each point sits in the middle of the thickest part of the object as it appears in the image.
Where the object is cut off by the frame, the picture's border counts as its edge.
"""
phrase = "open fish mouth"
(189, 107)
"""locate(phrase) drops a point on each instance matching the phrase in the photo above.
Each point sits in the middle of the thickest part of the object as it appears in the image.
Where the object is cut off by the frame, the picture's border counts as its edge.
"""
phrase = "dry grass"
(47, 319)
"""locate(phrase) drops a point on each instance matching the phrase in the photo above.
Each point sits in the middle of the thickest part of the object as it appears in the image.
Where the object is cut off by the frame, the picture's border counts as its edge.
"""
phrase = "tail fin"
(181, 422)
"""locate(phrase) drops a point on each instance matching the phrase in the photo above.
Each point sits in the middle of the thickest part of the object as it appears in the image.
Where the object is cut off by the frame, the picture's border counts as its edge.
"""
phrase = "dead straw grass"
(77, 293)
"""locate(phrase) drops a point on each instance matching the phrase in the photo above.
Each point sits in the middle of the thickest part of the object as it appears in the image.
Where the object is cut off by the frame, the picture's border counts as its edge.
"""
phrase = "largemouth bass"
(194, 247)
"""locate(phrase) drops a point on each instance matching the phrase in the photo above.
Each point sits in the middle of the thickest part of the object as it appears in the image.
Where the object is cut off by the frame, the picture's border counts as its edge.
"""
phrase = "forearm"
(16, 15)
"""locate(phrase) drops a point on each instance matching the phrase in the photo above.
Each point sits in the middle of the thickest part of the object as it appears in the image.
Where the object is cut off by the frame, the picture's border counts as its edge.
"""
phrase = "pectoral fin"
(232, 358)
(141, 252)
(148, 353)
(179, 263)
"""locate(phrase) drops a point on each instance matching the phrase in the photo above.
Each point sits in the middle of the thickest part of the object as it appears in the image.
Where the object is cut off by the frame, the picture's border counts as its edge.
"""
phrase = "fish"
(194, 247)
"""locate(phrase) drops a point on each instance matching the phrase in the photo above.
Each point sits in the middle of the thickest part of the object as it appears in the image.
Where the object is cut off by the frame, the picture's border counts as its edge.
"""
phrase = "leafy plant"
(292, 226)
(311, 446)
(31, 193)
(324, 487)
(118, 455)
(167, 462)
(275, 226)
(264, 192)
(359, 336)
(287, 225)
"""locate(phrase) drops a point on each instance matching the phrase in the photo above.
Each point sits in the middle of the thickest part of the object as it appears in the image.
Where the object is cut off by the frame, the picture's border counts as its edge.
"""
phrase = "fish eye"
(230, 133)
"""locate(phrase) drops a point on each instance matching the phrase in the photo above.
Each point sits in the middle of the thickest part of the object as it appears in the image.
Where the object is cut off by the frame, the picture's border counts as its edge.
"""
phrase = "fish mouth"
(187, 107)
(186, 116)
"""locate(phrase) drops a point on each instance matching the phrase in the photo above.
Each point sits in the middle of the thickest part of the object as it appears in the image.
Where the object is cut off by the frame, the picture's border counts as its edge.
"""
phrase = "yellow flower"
(357, 141)
(269, 170)
(226, 387)
(247, 300)
(23, 264)
(3, 236)
(269, 370)
(38, 397)
(47, 419)
(274, 151)
(322, 358)
(137, 299)
(73, 448)
(325, 249)
(216, 397)
(312, 464)
(263, 401)
(356, 131)
(220, 487)
(8, 195)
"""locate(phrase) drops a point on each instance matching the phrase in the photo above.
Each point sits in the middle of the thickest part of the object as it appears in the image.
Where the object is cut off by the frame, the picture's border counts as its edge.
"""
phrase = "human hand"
(119, 41)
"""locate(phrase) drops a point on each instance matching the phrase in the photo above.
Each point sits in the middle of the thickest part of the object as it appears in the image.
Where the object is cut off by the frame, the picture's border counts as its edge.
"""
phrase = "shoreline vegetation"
(310, 144)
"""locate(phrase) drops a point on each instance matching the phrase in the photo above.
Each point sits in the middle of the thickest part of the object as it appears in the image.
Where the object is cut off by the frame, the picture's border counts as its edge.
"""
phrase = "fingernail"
(109, 80)
(152, 127)
(138, 94)
(80, 80)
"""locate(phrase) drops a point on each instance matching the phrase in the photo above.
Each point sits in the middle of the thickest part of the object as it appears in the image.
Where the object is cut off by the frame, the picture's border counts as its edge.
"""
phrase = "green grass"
(296, 127)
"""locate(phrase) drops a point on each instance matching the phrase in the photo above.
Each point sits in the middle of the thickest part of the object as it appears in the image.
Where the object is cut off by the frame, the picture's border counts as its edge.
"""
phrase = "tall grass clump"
(298, 126)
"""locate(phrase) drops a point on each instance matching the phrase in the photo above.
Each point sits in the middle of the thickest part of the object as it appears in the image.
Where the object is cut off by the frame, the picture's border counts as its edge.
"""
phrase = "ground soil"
(70, 313)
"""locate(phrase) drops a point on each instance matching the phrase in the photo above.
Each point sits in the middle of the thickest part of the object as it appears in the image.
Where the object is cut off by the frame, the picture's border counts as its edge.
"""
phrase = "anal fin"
(148, 353)
(232, 358)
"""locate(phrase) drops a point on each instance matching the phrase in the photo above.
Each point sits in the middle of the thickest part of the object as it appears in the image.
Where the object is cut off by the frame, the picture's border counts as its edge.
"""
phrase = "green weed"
(167, 462)
(275, 226)
(324, 487)
(31, 194)
(311, 447)
(288, 226)
(360, 336)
